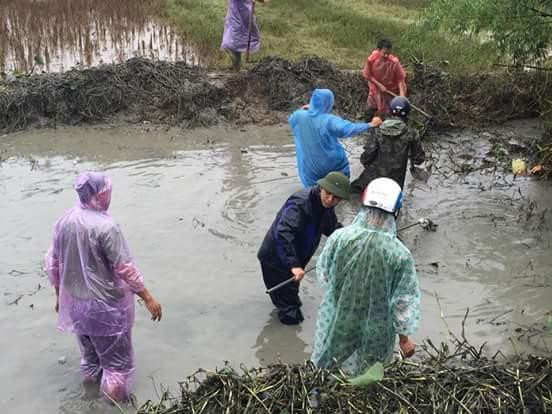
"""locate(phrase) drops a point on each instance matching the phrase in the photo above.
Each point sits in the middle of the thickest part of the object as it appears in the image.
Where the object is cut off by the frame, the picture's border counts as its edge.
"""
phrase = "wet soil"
(178, 94)
(195, 204)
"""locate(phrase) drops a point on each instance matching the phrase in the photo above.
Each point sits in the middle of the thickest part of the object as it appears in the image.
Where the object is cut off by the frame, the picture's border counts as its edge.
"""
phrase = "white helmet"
(383, 193)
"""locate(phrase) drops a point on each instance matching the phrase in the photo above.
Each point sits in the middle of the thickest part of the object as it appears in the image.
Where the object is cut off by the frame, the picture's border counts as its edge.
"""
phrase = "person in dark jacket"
(293, 238)
(388, 148)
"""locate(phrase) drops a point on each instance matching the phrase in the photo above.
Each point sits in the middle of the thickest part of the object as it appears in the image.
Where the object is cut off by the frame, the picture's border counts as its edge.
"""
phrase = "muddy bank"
(142, 90)
(175, 93)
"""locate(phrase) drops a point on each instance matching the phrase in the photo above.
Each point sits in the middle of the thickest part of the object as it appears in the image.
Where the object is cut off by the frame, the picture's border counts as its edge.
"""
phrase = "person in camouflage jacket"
(388, 149)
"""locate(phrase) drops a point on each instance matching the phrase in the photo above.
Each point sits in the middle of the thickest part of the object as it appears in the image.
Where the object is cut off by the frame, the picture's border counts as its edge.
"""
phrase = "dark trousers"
(286, 299)
(236, 60)
(358, 185)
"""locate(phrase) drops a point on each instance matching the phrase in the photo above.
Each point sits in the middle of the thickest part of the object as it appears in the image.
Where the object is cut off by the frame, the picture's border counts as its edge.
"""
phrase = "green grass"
(343, 31)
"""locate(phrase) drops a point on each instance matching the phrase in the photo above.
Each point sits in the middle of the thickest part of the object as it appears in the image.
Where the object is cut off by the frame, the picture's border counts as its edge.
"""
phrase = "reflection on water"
(195, 213)
(56, 35)
(277, 342)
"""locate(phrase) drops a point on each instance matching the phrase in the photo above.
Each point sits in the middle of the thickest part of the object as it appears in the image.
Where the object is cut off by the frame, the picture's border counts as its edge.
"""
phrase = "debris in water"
(196, 223)
(519, 167)
(62, 360)
(15, 272)
(16, 300)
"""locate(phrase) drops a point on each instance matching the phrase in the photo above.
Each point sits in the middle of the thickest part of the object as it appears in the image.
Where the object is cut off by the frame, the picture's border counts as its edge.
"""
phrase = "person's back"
(386, 153)
(371, 267)
(387, 150)
(87, 281)
(94, 277)
(316, 133)
(371, 292)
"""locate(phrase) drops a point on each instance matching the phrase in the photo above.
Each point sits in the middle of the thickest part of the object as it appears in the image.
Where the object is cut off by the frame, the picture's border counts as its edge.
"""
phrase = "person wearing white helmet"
(371, 289)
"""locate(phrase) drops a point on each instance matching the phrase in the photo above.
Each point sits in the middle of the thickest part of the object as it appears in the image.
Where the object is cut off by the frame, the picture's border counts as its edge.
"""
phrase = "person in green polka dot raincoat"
(371, 289)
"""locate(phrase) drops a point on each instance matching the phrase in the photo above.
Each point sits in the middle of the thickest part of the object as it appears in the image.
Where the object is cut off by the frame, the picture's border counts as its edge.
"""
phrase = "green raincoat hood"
(392, 127)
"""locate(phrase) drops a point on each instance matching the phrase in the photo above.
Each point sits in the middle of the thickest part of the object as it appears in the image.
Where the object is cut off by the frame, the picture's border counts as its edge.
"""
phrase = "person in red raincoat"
(384, 73)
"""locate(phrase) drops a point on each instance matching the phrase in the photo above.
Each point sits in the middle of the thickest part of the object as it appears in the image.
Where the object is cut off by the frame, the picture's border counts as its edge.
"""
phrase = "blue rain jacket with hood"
(316, 133)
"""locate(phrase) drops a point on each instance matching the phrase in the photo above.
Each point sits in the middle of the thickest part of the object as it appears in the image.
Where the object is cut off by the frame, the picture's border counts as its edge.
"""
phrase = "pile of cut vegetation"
(461, 380)
(288, 85)
(480, 98)
(180, 94)
(152, 90)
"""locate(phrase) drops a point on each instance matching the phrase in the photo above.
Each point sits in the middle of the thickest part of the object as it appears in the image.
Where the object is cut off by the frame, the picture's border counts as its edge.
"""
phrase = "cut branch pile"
(460, 380)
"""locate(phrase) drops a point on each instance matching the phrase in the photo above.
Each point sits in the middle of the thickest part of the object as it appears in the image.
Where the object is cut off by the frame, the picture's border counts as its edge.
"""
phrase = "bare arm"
(153, 306)
(402, 88)
(407, 346)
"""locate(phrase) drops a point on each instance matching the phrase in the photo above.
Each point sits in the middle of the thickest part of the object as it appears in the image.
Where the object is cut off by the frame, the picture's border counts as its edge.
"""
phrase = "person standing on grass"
(95, 280)
(316, 133)
(371, 289)
(384, 73)
(241, 32)
(294, 237)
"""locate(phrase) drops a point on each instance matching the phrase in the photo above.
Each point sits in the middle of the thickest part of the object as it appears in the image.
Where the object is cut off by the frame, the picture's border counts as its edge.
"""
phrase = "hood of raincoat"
(376, 219)
(371, 294)
(392, 127)
(321, 102)
(94, 190)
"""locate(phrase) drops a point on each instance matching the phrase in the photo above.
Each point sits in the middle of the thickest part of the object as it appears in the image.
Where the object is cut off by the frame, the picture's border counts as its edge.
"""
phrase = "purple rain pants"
(108, 360)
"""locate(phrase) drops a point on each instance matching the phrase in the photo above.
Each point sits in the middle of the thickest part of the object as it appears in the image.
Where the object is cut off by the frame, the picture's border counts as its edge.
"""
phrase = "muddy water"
(195, 206)
(80, 33)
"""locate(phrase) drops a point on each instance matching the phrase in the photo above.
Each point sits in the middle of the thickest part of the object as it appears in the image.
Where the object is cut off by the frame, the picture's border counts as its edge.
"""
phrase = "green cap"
(337, 184)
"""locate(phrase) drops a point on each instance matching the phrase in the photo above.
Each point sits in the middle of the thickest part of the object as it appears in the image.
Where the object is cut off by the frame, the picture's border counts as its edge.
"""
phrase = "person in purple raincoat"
(240, 30)
(95, 280)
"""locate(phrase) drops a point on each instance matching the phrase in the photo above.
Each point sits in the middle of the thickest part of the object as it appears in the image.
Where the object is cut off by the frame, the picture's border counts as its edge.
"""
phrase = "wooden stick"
(412, 105)
(502, 65)
(250, 27)
(279, 285)
(286, 282)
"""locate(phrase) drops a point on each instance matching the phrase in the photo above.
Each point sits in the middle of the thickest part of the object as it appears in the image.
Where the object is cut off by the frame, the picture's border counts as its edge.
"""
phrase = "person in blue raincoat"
(316, 132)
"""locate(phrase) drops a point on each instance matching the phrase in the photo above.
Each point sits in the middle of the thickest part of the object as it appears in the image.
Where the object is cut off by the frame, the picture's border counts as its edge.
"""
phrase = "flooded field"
(57, 35)
(195, 205)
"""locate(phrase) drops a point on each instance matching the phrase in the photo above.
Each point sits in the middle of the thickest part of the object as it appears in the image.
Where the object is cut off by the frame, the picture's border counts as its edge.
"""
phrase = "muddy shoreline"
(178, 95)
(188, 96)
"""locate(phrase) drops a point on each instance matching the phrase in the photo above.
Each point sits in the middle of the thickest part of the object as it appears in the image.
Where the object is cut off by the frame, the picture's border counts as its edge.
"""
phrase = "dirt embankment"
(144, 90)
(176, 93)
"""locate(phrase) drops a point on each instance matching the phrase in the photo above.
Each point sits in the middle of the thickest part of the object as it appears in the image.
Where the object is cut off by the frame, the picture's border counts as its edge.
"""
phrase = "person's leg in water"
(359, 184)
(117, 363)
(286, 299)
(90, 367)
